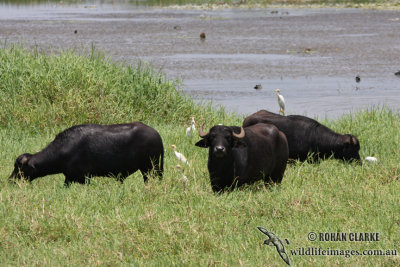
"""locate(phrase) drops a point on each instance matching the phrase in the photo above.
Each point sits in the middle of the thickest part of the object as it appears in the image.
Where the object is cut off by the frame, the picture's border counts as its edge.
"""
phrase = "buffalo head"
(23, 168)
(349, 148)
(221, 139)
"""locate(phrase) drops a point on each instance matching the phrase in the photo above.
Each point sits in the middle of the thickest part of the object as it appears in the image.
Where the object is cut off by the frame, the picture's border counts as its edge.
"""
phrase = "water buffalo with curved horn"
(258, 152)
(96, 150)
(305, 135)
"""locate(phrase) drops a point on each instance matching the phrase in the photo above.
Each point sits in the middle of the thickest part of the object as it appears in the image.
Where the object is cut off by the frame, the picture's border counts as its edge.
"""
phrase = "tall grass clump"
(42, 91)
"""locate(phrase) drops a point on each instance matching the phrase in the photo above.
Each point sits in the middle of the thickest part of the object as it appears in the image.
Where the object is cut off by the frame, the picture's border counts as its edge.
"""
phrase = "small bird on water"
(281, 102)
(358, 79)
(397, 73)
(258, 87)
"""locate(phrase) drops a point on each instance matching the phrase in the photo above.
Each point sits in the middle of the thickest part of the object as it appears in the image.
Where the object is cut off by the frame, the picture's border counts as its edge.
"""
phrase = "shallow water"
(312, 55)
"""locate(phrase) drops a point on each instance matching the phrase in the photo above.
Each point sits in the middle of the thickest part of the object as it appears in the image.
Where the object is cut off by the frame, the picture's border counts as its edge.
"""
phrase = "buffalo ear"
(202, 143)
(350, 140)
(25, 160)
(353, 140)
(346, 141)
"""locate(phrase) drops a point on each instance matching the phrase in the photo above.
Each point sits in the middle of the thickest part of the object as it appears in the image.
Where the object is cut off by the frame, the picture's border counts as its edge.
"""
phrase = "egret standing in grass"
(180, 156)
(281, 102)
(184, 179)
(191, 129)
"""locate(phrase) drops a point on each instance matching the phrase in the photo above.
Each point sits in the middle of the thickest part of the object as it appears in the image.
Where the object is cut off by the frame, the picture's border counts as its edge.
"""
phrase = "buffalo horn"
(201, 133)
(240, 135)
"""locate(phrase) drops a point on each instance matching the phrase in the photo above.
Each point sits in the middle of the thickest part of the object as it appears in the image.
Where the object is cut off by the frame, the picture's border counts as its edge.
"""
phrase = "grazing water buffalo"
(257, 152)
(96, 150)
(306, 135)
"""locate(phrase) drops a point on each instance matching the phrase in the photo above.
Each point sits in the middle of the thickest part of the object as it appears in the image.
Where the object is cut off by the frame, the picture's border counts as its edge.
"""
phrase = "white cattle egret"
(281, 102)
(185, 180)
(191, 129)
(180, 156)
(371, 159)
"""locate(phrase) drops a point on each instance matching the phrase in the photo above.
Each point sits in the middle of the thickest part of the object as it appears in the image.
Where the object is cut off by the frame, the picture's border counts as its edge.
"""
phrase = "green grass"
(47, 91)
(158, 224)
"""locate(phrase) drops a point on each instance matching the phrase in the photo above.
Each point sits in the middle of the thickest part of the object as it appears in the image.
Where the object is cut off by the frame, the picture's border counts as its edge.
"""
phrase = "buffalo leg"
(68, 180)
(268, 181)
(154, 166)
(277, 175)
(219, 187)
(121, 177)
(145, 174)
(158, 170)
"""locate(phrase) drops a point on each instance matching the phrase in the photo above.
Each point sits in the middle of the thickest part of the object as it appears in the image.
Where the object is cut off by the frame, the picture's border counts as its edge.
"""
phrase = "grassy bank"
(42, 92)
(107, 223)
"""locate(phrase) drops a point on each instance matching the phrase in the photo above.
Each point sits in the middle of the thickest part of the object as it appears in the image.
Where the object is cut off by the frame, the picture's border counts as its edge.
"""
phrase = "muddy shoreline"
(312, 55)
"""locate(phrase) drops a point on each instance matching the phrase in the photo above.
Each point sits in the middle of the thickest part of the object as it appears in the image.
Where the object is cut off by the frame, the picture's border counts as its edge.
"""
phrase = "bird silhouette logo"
(273, 240)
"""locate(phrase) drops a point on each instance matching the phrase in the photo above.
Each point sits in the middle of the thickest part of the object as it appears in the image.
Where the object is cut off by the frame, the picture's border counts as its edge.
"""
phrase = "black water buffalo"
(305, 135)
(96, 150)
(257, 152)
